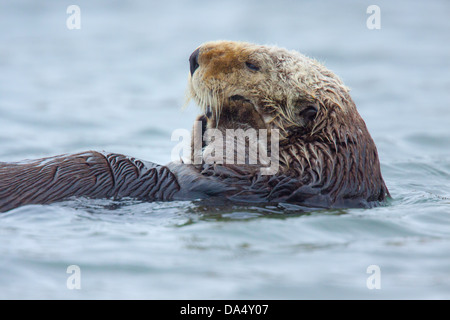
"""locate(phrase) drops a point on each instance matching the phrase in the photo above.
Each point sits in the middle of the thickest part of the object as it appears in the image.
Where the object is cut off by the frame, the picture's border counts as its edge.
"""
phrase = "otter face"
(281, 89)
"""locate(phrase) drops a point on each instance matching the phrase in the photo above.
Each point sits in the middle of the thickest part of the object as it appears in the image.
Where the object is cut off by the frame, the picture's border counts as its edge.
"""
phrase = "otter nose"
(193, 61)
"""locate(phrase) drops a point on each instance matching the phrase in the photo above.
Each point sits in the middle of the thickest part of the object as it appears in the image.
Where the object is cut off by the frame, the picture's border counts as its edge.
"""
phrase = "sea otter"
(326, 157)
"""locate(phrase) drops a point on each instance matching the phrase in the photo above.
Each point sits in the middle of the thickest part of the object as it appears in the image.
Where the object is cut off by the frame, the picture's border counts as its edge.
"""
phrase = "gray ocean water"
(117, 84)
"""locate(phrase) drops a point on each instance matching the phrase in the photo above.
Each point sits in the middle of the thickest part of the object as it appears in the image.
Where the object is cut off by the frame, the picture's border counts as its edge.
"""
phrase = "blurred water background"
(118, 83)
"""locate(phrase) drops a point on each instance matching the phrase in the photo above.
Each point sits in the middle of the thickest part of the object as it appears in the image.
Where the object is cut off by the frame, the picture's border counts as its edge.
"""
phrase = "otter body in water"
(326, 157)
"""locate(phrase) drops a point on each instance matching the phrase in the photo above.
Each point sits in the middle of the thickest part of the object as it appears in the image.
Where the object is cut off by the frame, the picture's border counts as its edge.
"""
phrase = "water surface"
(118, 84)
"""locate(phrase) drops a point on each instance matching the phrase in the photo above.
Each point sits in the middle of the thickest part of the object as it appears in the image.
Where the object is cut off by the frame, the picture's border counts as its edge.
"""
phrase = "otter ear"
(307, 111)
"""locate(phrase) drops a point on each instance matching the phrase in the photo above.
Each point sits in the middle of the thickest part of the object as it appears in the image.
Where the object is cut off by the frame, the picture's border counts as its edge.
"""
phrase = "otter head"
(321, 134)
(287, 90)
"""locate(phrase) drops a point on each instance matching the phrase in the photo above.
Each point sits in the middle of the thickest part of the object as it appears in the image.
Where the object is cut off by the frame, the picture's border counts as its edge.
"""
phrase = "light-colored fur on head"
(285, 80)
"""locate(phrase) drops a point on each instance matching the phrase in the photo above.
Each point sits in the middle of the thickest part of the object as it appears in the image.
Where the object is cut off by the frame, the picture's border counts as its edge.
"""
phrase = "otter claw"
(208, 112)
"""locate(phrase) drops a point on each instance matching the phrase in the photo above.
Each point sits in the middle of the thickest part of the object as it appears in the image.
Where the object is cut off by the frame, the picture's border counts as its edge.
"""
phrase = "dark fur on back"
(90, 174)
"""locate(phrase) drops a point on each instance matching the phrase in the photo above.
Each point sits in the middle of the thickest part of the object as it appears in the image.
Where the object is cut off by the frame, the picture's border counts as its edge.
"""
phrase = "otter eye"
(252, 66)
(309, 112)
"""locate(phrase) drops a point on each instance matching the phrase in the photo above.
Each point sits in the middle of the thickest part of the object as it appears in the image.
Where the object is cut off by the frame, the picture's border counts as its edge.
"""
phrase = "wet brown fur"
(327, 156)
(332, 154)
